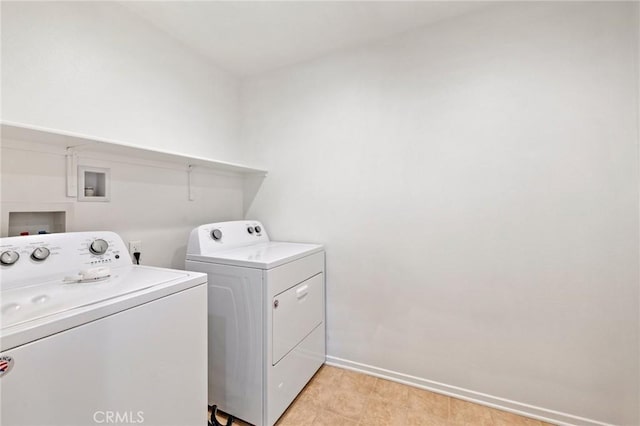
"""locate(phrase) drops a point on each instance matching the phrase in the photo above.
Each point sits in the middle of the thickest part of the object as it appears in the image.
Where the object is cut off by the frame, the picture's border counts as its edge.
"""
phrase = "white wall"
(476, 186)
(95, 68)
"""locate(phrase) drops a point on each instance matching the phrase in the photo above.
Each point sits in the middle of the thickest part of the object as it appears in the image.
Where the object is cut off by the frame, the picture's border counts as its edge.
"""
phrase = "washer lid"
(261, 256)
(34, 311)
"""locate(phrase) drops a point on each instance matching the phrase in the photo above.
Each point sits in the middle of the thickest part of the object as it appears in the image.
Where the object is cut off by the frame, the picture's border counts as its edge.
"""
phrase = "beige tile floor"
(335, 396)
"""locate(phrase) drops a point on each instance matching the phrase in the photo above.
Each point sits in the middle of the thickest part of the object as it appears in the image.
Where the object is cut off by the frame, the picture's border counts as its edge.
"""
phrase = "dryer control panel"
(212, 237)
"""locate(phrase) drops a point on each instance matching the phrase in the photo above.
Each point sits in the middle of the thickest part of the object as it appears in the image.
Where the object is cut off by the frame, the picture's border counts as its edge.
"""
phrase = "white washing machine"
(88, 338)
(266, 317)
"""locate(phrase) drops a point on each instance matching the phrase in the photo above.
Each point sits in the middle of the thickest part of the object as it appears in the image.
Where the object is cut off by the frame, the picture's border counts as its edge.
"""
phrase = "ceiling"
(249, 37)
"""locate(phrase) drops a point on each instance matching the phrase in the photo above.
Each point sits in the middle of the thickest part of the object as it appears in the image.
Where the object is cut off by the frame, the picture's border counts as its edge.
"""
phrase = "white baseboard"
(515, 407)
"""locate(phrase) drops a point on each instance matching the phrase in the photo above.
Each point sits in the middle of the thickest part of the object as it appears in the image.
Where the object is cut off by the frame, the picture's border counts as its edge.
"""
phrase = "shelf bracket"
(189, 183)
(71, 158)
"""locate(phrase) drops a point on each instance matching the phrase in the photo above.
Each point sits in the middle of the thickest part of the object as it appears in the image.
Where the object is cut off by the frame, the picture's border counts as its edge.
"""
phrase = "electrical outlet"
(135, 246)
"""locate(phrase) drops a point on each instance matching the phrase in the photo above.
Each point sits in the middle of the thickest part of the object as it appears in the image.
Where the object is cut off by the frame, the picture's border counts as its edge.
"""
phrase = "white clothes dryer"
(266, 317)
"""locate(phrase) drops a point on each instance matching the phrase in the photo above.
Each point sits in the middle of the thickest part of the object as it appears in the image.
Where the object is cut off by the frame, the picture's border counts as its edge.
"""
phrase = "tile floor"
(335, 396)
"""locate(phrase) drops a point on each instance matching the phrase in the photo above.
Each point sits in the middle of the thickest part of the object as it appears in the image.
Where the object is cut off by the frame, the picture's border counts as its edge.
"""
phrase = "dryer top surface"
(261, 256)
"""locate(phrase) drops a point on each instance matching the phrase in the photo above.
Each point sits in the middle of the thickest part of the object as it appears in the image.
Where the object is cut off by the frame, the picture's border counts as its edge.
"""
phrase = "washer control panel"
(25, 258)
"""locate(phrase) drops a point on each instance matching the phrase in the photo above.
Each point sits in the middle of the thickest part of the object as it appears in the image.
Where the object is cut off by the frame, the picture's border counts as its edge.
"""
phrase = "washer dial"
(98, 246)
(9, 257)
(40, 254)
(216, 234)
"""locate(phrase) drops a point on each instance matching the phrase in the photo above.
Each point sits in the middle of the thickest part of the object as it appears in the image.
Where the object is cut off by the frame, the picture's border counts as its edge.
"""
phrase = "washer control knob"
(276, 303)
(216, 234)
(99, 246)
(40, 254)
(250, 229)
(258, 229)
(9, 257)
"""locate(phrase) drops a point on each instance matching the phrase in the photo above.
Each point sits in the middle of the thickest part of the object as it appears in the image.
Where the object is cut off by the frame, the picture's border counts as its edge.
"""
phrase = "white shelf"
(81, 143)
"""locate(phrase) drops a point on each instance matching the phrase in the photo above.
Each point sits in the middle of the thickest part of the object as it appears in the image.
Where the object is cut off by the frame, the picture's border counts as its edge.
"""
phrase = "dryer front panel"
(296, 312)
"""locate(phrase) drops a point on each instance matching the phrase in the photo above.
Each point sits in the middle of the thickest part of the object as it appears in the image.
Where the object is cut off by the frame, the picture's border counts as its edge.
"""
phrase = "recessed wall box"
(94, 183)
(38, 222)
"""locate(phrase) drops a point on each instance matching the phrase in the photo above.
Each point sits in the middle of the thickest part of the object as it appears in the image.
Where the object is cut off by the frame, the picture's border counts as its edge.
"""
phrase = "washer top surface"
(261, 256)
(243, 243)
(32, 302)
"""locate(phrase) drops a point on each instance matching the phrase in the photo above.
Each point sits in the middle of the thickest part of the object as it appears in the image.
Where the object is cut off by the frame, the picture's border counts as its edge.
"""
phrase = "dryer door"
(296, 312)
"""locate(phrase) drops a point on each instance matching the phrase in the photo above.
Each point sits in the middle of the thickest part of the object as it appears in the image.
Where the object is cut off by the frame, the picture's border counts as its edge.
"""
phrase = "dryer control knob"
(98, 246)
(9, 257)
(216, 234)
(250, 229)
(40, 254)
(258, 229)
